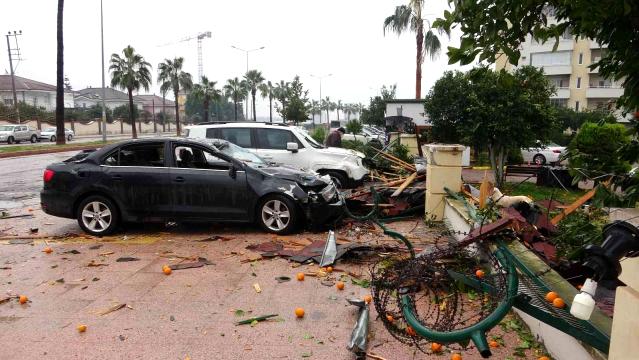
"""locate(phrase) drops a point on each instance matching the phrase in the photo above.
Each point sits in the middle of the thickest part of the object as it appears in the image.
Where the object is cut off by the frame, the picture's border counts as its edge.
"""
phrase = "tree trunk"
(235, 102)
(121, 126)
(206, 109)
(134, 132)
(178, 128)
(59, 99)
(337, 111)
(254, 115)
(270, 107)
(418, 63)
(164, 113)
(328, 120)
(496, 155)
(313, 120)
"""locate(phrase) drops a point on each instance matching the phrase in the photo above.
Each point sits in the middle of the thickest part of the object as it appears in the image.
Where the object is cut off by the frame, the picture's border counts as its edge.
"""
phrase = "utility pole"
(13, 75)
(247, 68)
(320, 92)
(104, 118)
(155, 124)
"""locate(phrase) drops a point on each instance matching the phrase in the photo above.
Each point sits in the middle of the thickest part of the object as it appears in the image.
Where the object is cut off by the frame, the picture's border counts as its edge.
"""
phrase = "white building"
(409, 108)
(31, 92)
(113, 98)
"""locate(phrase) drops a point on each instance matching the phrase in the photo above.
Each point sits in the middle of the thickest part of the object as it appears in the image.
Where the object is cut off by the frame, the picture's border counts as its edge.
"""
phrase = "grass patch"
(542, 192)
(12, 149)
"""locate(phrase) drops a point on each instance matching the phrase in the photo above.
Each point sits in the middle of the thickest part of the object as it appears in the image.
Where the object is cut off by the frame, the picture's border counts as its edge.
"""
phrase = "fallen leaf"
(112, 309)
(257, 288)
(126, 259)
(106, 253)
(92, 263)
(95, 247)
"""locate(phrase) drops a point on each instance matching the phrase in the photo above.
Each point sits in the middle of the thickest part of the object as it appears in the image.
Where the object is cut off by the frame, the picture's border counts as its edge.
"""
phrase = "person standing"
(334, 139)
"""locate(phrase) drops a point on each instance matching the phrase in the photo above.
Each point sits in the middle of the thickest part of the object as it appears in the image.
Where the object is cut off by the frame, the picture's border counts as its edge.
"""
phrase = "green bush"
(319, 134)
(401, 151)
(578, 230)
(515, 157)
(353, 127)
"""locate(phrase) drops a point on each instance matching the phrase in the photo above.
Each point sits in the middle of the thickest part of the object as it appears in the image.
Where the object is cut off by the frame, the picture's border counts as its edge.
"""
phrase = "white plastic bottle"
(583, 304)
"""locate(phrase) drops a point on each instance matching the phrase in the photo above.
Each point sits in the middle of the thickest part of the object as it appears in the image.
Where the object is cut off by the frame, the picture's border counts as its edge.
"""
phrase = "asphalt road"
(89, 138)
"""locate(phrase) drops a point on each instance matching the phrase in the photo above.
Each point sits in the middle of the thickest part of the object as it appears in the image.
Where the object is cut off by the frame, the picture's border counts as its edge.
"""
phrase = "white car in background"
(49, 134)
(288, 145)
(543, 154)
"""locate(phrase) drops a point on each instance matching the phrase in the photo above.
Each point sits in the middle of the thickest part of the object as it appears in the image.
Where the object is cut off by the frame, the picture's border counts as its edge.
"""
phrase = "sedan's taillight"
(48, 175)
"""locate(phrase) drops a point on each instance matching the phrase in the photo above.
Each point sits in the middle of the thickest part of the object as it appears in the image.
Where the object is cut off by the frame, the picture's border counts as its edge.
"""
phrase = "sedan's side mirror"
(292, 147)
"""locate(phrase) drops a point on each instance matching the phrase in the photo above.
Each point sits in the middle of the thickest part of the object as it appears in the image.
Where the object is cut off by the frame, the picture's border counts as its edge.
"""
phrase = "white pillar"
(443, 170)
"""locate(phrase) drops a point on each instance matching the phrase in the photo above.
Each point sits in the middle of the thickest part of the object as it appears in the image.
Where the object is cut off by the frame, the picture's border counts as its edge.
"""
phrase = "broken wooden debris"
(113, 308)
(199, 263)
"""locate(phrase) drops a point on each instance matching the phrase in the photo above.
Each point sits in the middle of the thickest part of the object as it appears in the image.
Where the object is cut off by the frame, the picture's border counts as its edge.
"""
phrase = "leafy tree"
(328, 105)
(315, 109)
(236, 90)
(319, 134)
(374, 114)
(493, 28)
(338, 107)
(171, 77)
(220, 109)
(130, 72)
(206, 91)
(253, 80)
(267, 90)
(281, 93)
(569, 121)
(59, 93)
(388, 93)
(297, 103)
(123, 113)
(354, 127)
(410, 17)
(447, 106)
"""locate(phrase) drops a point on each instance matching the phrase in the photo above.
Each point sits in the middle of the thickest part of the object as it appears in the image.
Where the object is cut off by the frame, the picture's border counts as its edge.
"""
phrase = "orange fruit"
(340, 285)
(299, 312)
(23, 299)
(300, 276)
(493, 344)
(82, 328)
(456, 357)
(579, 287)
(480, 273)
(436, 347)
(47, 250)
(544, 358)
(166, 270)
(410, 331)
(558, 303)
(329, 269)
(390, 318)
(368, 299)
(551, 296)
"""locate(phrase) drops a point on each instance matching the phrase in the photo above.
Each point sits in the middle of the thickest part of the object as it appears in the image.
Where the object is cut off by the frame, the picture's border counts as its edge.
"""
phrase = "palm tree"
(164, 88)
(130, 72)
(315, 109)
(338, 106)
(409, 17)
(170, 73)
(236, 90)
(59, 93)
(281, 93)
(268, 90)
(328, 105)
(348, 110)
(253, 80)
(206, 92)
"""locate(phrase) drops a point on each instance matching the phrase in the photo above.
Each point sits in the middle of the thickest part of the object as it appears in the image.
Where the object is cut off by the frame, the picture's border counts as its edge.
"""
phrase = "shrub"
(353, 127)
(319, 134)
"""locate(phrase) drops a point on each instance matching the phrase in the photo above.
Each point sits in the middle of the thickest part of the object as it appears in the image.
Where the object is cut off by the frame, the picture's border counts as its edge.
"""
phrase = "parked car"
(543, 154)
(50, 134)
(17, 133)
(288, 145)
(174, 179)
(363, 138)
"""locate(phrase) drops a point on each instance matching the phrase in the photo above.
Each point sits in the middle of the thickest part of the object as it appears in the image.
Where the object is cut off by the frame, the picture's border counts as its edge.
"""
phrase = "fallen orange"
(329, 269)
(339, 285)
(47, 250)
(368, 299)
(456, 357)
(166, 270)
(299, 312)
(558, 303)
(410, 331)
(82, 328)
(390, 318)
(23, 299)
(300, 276)
(544, 358)
(493, 344)
(479, 273)
(551, 296)
(436, 347)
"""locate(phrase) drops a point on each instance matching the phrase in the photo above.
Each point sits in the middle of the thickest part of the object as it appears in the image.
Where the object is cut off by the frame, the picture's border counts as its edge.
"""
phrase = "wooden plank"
(574, 206)
(403, 186)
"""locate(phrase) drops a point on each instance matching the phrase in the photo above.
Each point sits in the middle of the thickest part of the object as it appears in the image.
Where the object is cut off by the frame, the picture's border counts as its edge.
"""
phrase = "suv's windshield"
(6, 128)
(239, 153)
(309, 139)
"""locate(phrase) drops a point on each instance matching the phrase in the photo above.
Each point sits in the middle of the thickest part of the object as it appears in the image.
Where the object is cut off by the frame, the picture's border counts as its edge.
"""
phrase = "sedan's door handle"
(117, 177)
(179, 179)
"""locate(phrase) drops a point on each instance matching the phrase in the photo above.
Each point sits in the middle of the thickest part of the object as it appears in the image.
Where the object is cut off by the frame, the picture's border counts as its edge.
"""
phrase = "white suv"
(288, 145)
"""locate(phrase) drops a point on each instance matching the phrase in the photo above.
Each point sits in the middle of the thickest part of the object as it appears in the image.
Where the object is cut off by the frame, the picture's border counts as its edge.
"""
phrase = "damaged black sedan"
(187, 180)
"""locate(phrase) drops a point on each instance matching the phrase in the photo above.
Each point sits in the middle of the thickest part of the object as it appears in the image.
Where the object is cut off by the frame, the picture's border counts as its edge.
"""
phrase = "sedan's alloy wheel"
(96, 216)
(276, 215)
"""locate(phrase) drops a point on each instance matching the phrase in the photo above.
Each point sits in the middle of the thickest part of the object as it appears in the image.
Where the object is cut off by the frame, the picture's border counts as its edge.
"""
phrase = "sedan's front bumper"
(321, 212)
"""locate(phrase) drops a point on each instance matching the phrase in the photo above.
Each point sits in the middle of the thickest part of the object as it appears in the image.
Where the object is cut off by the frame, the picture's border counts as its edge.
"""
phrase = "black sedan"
(174, 179)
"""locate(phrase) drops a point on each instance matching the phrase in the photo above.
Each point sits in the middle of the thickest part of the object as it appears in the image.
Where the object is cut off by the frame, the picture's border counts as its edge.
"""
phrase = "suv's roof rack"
(241, 122)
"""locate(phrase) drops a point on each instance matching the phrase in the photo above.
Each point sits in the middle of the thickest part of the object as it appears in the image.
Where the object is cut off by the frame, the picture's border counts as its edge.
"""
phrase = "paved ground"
(188, 314)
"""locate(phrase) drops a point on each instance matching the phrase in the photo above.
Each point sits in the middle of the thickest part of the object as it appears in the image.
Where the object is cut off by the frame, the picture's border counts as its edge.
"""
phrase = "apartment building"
(578, 86)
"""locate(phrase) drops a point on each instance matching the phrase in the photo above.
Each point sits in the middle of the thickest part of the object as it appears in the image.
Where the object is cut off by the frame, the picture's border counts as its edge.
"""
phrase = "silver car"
(49, 134)
(16, 133)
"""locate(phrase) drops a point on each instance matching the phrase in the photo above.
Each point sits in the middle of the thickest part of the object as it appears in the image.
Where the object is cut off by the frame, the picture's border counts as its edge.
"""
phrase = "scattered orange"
(368, 299)
(479, 273)
(340, 285)
(493, 344)
(456, 357)
(558, 303)
(82, 328)
(47, 250)
(329, 269)
(579, 287)
(166, 270)
(551, 296)
(300, 276)
(23, 299)
(410, 331)
(299, 312)
(390, 318)
(544, 358)
(436, 347)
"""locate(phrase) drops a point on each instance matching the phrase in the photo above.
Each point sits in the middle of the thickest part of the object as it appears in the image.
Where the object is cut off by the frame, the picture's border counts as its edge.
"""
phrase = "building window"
(559, 102)
(576, 105)
(551, 58)
(578, 83)
(581, 58)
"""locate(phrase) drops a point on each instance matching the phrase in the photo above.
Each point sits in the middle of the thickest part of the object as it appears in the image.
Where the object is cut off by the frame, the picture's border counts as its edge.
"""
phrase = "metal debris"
(330, 250)
(359, 337)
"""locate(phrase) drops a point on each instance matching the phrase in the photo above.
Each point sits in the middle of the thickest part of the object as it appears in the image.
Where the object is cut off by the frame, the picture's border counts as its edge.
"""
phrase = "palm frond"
(398, 22)
(432, 46)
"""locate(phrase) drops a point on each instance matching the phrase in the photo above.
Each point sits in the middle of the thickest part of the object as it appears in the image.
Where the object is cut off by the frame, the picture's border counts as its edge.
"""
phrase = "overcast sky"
(301, 37)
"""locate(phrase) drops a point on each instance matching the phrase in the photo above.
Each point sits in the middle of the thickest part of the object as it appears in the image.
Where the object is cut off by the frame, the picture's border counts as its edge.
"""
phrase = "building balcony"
(557, 69)
(562, 93)
(604, 92)
(596, 45)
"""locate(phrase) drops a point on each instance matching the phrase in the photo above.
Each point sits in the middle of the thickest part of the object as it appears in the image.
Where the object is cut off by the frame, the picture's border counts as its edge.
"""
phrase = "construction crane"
(198, 37)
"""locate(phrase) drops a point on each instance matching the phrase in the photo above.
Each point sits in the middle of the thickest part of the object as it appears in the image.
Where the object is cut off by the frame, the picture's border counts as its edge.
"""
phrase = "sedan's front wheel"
(277, 214)
(97, 215)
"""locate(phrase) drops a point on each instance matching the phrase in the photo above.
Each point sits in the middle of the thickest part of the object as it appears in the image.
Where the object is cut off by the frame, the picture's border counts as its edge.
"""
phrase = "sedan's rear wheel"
(69, 137)
(97, 215)
(277, 214)
(10, 140)
(52, 138)
(539, 159)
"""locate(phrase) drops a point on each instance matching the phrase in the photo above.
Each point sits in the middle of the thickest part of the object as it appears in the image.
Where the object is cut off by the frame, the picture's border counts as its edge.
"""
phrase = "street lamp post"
(104, 118)
(320, 77)
(247, 68)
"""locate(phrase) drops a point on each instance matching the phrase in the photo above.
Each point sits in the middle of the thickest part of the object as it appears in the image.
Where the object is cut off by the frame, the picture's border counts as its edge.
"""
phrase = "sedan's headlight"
(329, 192)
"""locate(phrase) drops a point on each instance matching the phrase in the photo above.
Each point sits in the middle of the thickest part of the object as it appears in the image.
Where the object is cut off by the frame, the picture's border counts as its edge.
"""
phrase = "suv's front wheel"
(277, 214)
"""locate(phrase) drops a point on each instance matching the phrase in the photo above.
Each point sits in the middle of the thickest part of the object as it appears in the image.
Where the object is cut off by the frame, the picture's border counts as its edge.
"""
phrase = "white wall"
(411, 110)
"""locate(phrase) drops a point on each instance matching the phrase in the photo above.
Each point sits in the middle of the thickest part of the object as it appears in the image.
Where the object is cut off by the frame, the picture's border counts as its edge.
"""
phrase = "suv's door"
(138, 178)
(271, 145)
(206, 185)
(22, 133)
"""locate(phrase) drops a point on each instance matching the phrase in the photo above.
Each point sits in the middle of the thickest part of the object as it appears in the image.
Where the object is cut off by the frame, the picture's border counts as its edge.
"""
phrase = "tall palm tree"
(236, 90)
(338, 106)
(170, 73)
(315, 109)
(409, 17)
(164, 88)
(253, 80)
(206, 92)
(348, 110)
(268, 90)
(59, 93)
(281, 93)
(130, 72)
(328, 105)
